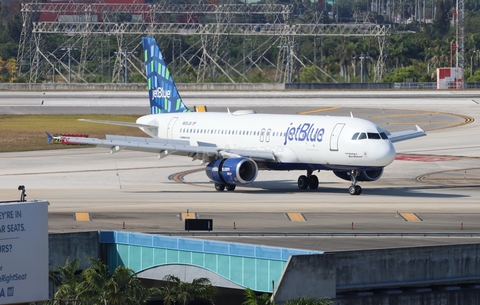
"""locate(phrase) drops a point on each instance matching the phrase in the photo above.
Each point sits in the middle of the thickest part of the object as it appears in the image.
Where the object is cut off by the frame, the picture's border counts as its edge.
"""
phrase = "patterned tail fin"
(162, 91)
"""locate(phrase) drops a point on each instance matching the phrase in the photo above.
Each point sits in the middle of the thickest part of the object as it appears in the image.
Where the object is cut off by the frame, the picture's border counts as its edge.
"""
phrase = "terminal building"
(413, 275)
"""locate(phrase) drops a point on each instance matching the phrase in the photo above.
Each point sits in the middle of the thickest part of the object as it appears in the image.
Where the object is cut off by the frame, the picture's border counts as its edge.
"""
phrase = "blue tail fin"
(162, 91)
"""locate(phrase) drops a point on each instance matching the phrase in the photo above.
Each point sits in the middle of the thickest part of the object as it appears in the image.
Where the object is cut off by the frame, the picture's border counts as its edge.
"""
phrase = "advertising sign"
(23, 252)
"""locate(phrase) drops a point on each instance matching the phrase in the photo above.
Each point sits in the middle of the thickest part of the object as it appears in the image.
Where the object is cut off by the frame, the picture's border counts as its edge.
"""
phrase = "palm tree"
(179, 292)
(345, 52)
(69, 282)
(251, 298)
(97, 279)
(120, 287)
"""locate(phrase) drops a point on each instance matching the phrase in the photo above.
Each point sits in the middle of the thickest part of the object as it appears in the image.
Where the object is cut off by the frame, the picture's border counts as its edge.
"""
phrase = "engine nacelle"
(372, 175)
(232, 170)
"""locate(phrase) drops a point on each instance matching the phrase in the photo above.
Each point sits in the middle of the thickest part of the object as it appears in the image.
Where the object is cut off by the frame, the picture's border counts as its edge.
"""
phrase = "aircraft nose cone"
(385, 153)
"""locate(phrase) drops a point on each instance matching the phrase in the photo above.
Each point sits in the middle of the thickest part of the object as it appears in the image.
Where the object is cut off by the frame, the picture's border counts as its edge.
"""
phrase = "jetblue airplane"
(236, 145)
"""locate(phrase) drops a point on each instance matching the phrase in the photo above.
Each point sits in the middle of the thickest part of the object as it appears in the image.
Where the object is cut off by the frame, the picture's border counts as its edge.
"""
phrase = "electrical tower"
(212, 30)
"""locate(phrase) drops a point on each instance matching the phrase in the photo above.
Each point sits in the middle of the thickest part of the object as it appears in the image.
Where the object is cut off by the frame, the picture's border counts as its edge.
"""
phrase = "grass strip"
(27, 132)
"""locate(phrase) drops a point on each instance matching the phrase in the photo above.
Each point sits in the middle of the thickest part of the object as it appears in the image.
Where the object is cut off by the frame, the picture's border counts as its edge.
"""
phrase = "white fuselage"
(321, 142)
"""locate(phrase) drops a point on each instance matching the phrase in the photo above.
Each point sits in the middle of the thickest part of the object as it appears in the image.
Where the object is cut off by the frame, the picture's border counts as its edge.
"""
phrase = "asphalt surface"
(428, 196)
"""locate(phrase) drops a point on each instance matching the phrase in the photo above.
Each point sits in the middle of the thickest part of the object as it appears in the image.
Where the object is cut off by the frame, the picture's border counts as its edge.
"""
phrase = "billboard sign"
(23, 252)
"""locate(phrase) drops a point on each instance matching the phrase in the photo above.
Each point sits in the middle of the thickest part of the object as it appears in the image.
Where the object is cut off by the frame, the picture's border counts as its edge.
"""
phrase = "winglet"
(406, 135)
(49, 137)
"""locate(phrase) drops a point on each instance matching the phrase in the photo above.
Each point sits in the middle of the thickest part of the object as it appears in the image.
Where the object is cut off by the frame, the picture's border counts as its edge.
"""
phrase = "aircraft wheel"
(355, 190)
(313, 182)
(358, 189)
(303, 182)
(230, 187)
(219, 186)
(352, 190)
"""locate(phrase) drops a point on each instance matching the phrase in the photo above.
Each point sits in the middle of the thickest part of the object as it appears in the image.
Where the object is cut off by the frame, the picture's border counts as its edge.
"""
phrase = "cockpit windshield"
(369, 135)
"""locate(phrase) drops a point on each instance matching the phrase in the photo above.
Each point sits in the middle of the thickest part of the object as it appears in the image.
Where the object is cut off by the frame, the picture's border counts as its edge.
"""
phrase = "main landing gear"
(354, 189)
(308, 181)
(221, 187)
(311, 181)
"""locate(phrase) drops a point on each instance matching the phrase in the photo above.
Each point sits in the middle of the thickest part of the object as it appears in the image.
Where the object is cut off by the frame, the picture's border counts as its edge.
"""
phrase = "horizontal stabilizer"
(406, 135)
(128, 124)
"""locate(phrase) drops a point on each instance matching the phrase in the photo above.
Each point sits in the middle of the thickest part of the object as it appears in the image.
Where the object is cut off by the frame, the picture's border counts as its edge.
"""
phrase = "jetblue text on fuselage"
(159, 92)
(304, 132)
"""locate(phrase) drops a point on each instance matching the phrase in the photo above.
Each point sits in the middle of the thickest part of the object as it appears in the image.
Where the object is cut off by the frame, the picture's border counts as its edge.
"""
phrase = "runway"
(428, 196)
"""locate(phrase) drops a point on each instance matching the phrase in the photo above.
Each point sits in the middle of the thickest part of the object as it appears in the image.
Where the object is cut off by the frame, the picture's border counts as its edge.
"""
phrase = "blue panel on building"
(190, 245)
(216, 247)
(165, 242)
(268, 252)
(256, 267)
(242, 250)
(141, 240)
(211, 262)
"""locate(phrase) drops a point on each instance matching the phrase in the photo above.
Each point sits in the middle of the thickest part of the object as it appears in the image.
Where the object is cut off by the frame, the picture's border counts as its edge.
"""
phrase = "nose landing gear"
(354, 189)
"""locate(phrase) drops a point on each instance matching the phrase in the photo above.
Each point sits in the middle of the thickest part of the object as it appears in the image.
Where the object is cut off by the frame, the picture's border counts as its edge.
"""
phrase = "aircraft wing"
(166, 147)
(406, 135)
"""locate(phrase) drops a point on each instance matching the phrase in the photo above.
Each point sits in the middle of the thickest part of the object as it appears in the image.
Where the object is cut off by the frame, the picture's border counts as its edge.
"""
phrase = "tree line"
(96, 285)
(415, 48)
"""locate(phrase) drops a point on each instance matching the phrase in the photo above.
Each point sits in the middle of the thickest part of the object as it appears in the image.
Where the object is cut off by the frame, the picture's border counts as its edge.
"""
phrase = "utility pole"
(288, 47)
(460, 36)
(69, 49)
(125, 53)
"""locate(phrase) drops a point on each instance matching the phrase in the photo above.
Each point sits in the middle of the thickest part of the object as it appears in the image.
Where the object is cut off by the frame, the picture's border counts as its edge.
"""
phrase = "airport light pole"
(451, 52)
(69, 50)
(471, 62)
(362, 57)
(125, 53)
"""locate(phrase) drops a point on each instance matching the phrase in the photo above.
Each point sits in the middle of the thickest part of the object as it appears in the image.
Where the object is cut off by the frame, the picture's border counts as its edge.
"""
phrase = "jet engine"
(371, 175)
(232, 171)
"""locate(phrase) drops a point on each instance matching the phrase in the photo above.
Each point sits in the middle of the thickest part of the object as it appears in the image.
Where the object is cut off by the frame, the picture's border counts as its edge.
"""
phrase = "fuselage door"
(267, 136)
(262, 135)
(170, 127)
(335, 136)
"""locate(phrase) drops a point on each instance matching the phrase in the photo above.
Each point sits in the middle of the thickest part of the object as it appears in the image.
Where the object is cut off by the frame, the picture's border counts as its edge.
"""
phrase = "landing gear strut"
(354, 189)
(308, 181)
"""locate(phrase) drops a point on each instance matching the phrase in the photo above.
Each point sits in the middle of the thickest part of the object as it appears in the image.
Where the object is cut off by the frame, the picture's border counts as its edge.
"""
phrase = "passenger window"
(355, 136)
(362, 136)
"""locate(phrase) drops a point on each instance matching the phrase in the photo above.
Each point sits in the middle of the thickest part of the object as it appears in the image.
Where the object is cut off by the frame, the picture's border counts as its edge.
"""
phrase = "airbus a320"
(236, 145)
